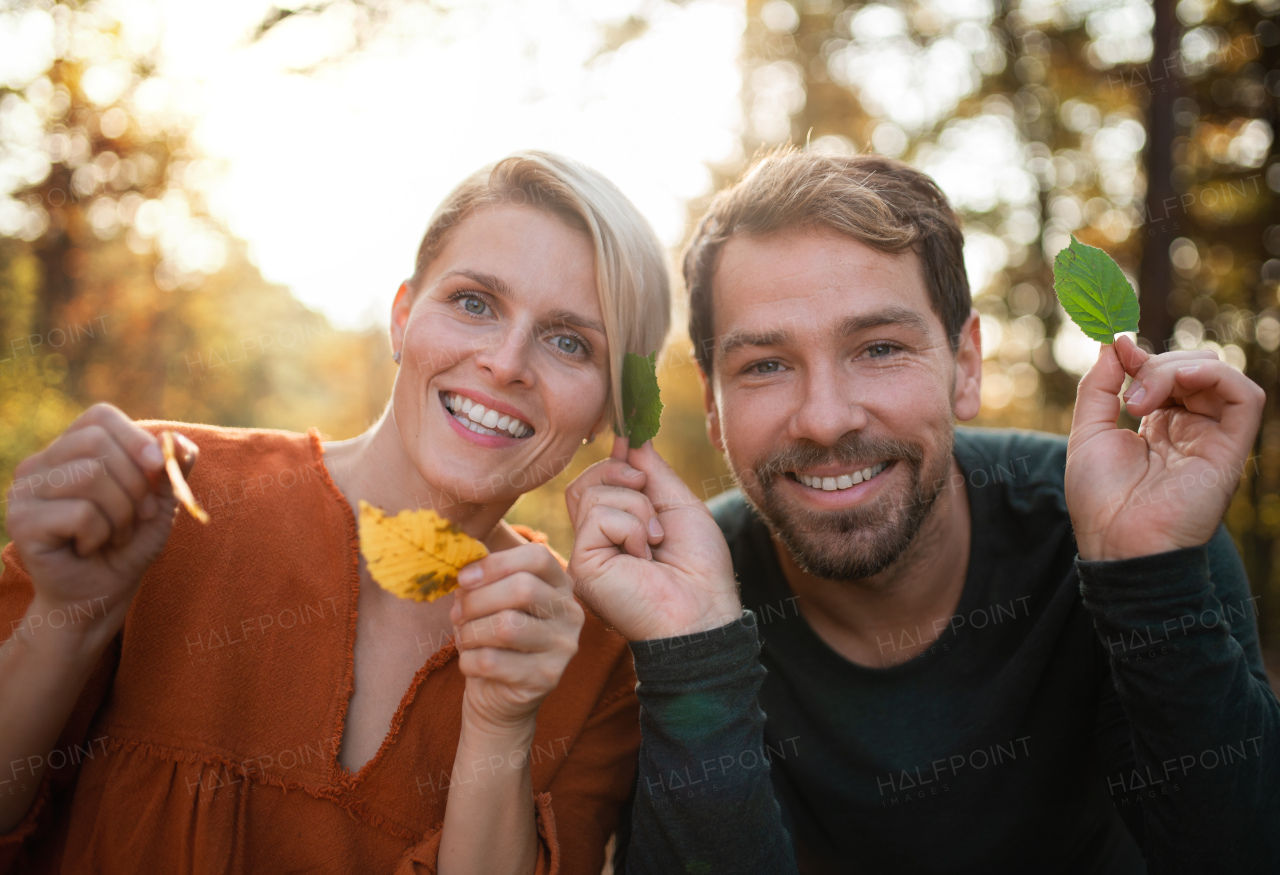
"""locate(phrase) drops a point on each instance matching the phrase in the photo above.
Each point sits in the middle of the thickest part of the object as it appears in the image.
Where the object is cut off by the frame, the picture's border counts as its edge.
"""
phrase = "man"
(962, 650)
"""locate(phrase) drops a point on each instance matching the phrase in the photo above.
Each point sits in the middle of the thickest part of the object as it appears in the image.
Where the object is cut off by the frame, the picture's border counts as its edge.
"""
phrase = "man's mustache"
(850, 449)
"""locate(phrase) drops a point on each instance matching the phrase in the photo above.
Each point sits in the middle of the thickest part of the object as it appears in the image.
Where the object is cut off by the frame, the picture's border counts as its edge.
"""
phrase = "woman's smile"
(478, 414)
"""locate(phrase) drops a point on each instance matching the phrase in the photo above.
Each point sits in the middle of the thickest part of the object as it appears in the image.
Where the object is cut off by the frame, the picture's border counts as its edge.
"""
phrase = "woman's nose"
(505, 355)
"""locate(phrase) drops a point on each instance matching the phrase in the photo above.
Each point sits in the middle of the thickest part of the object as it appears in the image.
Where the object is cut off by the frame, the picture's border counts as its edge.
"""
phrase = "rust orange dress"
(207, 739)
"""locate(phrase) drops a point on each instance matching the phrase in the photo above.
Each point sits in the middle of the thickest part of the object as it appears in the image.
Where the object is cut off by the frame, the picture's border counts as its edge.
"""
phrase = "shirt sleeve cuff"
(709, 656)
(1147, 590)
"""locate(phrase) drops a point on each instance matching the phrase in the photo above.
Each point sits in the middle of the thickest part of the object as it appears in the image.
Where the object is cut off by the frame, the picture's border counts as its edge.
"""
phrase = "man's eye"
(766, 367)
(567, 343)
(474, 305)
(880, 350)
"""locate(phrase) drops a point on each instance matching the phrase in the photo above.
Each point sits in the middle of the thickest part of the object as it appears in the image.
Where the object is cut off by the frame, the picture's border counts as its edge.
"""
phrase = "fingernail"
(470, 575)
(655, 527)
(152, 457)
(648, 553)
(1133, 387)
(1136, 398)
(633, 473)
(149, 507)
(1188, 370)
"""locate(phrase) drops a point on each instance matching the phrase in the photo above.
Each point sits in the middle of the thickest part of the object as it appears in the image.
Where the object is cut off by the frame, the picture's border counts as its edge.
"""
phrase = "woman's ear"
(400, 308)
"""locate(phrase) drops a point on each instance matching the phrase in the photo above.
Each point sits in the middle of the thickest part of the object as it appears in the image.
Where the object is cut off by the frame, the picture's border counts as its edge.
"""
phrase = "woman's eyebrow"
(568, 317)
(495, 284)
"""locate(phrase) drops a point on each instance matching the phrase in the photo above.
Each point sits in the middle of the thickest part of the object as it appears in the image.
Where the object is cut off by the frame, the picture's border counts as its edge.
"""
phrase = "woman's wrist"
(76, 632)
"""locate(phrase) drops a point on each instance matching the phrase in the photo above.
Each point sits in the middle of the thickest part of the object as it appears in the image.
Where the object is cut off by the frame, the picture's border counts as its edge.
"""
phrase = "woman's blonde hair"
(632, 279)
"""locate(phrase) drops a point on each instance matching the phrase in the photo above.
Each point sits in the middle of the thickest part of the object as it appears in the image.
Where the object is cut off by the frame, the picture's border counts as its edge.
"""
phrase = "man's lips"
(836, 479)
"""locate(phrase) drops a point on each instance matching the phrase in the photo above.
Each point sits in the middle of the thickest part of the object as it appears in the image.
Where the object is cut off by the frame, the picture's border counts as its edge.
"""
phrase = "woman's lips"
(480, 419)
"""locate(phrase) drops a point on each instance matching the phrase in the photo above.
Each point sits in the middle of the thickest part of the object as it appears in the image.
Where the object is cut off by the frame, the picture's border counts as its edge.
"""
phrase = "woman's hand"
(516, 626)
(648, 556)
(89, 514)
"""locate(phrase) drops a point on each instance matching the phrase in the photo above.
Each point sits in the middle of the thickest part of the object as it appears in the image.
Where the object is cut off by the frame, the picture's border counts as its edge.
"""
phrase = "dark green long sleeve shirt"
(1071, 717)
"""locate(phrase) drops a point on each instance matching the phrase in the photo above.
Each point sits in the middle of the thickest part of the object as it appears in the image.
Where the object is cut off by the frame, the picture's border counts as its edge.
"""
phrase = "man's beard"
(855, 543)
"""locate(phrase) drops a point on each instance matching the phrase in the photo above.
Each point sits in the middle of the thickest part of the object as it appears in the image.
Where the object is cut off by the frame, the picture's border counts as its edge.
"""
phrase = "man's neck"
(899, 613)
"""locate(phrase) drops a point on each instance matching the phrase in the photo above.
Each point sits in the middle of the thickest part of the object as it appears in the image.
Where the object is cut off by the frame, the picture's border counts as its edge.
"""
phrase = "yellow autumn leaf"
(415, 554)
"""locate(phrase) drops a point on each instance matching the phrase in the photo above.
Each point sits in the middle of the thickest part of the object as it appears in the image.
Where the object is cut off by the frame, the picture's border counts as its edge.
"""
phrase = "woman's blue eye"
(474, 306)
(568, 344)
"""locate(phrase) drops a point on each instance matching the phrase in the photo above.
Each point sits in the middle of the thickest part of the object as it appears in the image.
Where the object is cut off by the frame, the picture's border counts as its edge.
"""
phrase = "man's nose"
(828, 408)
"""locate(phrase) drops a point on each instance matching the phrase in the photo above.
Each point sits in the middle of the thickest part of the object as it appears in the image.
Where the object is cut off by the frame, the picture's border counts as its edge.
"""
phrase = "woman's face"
(504, 366)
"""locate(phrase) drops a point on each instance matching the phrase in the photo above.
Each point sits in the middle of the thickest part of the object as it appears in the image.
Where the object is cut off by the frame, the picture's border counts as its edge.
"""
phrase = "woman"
(242, 696)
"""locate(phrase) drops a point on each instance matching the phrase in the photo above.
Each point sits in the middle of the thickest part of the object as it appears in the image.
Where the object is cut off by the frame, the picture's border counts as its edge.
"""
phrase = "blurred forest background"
(1146, 128)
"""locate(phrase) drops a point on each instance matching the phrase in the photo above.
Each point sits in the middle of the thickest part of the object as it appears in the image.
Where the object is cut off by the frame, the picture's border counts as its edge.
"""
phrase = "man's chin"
(844, 545)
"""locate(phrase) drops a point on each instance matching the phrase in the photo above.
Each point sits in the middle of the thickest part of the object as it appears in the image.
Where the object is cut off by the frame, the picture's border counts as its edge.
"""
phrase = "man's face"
(833, 394)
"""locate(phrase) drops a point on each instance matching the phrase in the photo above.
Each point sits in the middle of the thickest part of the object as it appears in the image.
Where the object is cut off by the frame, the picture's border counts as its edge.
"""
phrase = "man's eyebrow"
(895, 315)
(743, 338)
(495, 284)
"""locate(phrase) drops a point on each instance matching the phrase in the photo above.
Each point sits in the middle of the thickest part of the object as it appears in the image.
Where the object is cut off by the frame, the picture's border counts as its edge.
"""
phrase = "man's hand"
(1168, 486)
(648, 556)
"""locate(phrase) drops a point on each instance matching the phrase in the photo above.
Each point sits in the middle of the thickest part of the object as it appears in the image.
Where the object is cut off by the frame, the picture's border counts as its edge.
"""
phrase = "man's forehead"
(811, 271)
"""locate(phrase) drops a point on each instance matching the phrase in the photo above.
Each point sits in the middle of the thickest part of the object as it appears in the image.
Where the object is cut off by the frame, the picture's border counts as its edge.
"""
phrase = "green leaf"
(641, 405)
(1094, 292)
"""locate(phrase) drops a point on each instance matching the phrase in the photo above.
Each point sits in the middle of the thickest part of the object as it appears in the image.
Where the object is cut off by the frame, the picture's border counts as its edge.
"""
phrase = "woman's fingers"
(512, 668)
(521, 591)
(51, 525)
(533, 558)
(511, 630)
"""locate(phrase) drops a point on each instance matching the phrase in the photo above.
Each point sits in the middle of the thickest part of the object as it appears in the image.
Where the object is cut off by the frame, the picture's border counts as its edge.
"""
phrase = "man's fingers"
(1219, 391)
(1159, 385)
(635, 503)
(604, 526)
(606, 472)
(1097, 400)
(663, 486)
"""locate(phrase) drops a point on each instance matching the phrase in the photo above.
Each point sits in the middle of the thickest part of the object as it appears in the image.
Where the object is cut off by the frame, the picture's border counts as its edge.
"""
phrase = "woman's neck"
(375, 468)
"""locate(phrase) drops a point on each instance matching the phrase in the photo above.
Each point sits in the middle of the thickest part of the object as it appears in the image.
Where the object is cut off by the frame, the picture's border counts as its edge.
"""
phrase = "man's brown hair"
(881, 202)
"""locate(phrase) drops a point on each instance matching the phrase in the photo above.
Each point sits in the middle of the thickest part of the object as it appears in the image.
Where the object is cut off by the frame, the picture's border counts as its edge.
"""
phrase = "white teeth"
(484, 421)
(844, 481)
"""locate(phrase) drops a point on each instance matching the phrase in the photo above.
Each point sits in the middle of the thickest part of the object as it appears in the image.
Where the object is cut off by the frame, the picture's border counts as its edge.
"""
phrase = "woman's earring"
(395, 356)
(589, 438)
